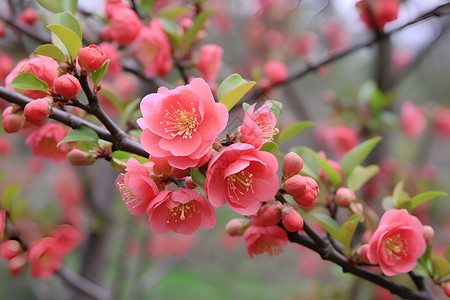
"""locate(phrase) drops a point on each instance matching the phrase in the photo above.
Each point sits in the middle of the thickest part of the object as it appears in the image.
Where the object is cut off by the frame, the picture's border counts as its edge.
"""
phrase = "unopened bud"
(37, 112)
(309, 196)
(80, 158)
(446, 288)
(356, 208)
(428, 233)
(292, 164)
(296, 185)
(179, 173)
(10, 249)
(28, 16)
(67, 86)
(91, 58)
(344, 197)
(270, 213)
(292, 220)
(12, 122)
(237, 227)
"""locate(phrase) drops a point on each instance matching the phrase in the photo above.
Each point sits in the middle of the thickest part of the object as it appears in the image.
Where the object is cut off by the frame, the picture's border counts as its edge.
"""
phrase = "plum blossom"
(264, 239)
(45, 257)
(412, 120)
(258, 126)
(182, 124)
(183, 211)
(242, 177)
(397, 243)
(383, 11)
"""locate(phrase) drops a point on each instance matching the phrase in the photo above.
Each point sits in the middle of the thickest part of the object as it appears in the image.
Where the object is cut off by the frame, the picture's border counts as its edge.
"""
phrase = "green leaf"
(52, 51)
(191, 32)
(67, 19)
(86, 146)
(293, 130)
(17, 208)
(172, 29)
(310, 163)
(333, 175)
(10, 195)
(425, 257)
(97, 76)
(400, 197)
(83, 134)
(68, 37)
(29, 81)
(345, 234)
(356, 156)
(424, 197)
(447, 253)
(70, 5)
(52, 5)
(270, 147)
(125, 156)
(147, 6)
(328, 223)
(198, 178)
(129, 110)
(276, 107)
(440, 265)
(360, 175)
(113, 99)
(232, 89)
(173, 13)
(245, 106)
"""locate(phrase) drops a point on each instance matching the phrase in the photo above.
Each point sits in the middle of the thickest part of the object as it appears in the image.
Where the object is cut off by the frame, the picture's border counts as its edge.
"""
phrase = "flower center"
(264, 246)
(396, 247)
(239, 183)
(181, 121)
(267, 130)
(182, 211)
(127, 194)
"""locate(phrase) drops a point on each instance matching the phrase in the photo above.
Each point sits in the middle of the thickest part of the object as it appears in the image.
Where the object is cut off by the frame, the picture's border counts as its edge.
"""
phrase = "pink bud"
(91, 58)
(309, 196)
(428, 233)
(190, 183)
(237, 227)
(292, 164)
(412, 120)
(276, 71)
(270, 213)
(344, 197)
(16, 264)
(210, 61)
(292, 220)
(28, 16)
(37, 112)
(446, 288)
(80, 158)
(179, 173)
(67, 86)
(12, 122)
(295, 185)
(356, 208)
(363, 250)
(10, 249)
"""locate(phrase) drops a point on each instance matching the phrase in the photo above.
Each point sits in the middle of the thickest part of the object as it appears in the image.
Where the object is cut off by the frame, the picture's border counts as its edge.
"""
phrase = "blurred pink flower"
(306, 44)
(183, 211)
(397, 243)
(276, 71)
(258, 126)
(125, 26)
(264, 239)
(210, 61)
(442, 122)
(182, 124)
(171, 244)
(67, 238)
(112, 54)
(412, 120)
(383, 11)
(339, 139)
(242, 177)
(45, 257)
(337, 37)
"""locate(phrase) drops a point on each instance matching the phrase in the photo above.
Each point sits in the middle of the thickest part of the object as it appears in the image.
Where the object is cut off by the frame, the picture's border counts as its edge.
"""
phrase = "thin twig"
(82, 284)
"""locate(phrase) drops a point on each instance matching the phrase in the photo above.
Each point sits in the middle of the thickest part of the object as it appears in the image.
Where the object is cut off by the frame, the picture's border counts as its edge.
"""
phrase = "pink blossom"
(152, 50)
(258, 126)
(337, 37)
(6, 65)
(137, 187)
(344, 197)
(67, 187)
(383, 11)
(276, 71)
(306, 44)
(45, 257)
(112, 5)
(171, 244)
(264, 239)
(112, 54)
(292, 165)
(242, 177)
(339, 139)
(91, 58)
(125, 26)
(43, 67)
(442, 122)
(183, 211)
(181, 124)
(412, 120)
(210, 61)
(43, 142)
(67, 238)
(397, 243)
(10, 249)
(270, 212)
(28, 16)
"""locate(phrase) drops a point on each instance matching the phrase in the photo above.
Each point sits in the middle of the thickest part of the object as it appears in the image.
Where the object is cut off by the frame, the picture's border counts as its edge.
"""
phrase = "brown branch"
(25, 30)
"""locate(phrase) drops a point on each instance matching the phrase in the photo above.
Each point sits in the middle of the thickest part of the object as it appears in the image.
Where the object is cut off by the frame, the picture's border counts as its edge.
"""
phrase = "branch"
(82, 284)
(25, 30)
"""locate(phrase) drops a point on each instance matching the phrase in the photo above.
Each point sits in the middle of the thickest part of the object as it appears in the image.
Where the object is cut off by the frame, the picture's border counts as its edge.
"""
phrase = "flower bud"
(446, 288)
(80, 158)
(292, 220)
(292, 164)
(270, 213)
(91, 58)
(12, 122)
(295, 185)
(67, 86)
(37, 112)
(309, 196)
(356, 208)
(190, 183)
(17, 263)
(10, 249)
(344, 197)
(276, 71)
(210, 61)
(237, 227)
(28, 16)
(428, 233)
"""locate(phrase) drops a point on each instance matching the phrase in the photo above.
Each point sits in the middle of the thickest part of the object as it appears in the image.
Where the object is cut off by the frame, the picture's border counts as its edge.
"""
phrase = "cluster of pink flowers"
(375, 14)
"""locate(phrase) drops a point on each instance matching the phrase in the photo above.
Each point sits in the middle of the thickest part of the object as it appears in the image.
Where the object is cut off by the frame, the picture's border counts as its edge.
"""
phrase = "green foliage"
(276, 107)
(424, 197)
(198, 178)
(332, 173)
(191, 32)
(52, 51)
(329, 224)
(356, 156)
(171, 28)
(346, 232)
(67, 19)
(232, 89)
(172, 13)
(360, 175)
(113, 99)
(439, 265)
(83, 133)
(270, 147)
(130, 108)
(12, 202)
(58, 6)
(293, 130)
(29, 81)
(97, 76)
(120, 157)
(68, 38)
(310, 163)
